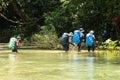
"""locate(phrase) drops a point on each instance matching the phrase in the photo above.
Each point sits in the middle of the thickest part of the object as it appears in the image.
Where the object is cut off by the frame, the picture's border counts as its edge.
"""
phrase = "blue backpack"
(76, 37)
(89, 40)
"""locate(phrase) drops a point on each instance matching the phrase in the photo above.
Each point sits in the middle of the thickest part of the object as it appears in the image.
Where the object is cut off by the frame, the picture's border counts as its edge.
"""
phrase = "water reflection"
(80, 67)
(13, 58)
(55, 66)
(76, 62)
(90, 67)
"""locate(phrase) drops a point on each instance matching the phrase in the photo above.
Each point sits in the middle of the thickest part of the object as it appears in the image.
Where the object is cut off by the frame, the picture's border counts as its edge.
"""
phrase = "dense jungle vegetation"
(44, 21)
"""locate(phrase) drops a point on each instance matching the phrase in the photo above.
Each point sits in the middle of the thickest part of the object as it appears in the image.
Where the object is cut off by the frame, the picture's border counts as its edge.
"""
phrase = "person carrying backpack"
(65, 41)
(81, 34)
(14, 43)
(90, 40)
(76, 39)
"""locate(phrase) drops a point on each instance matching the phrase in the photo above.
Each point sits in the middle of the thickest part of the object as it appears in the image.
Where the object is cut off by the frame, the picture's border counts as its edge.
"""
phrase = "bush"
(46, 38)
(110, 45)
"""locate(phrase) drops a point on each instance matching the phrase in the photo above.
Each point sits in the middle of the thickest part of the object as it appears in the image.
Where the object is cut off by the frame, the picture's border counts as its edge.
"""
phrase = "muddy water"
(48, 65)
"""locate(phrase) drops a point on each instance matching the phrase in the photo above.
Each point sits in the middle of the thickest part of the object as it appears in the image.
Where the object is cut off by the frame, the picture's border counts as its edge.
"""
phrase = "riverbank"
(45, 51)
(22, 48)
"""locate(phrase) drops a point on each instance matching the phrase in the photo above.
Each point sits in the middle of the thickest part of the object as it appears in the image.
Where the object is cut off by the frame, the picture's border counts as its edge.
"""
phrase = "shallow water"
(40, 65)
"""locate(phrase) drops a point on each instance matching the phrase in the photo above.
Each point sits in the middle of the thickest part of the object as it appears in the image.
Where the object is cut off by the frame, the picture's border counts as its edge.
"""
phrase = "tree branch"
(16, 22)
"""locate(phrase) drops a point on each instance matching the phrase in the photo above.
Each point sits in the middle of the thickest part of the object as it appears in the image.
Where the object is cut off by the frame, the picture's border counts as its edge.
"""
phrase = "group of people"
(77, 38)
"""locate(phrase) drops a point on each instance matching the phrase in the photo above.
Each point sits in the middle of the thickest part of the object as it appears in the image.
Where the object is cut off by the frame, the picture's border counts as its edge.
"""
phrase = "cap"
(91, 32)
(18, 38)
(81, 29)
(65, 35)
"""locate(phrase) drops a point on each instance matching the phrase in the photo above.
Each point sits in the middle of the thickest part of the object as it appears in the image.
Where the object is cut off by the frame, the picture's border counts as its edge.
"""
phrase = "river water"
(48, 65)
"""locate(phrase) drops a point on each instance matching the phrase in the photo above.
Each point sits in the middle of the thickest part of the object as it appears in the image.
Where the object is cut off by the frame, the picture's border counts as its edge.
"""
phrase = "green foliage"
(46, 38)
(62, 0)
(89, 14)
(110, 45)
(3, 4)
(63, 15)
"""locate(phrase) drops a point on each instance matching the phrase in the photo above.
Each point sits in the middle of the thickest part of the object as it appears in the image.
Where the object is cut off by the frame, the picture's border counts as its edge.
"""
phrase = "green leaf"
(62, 0)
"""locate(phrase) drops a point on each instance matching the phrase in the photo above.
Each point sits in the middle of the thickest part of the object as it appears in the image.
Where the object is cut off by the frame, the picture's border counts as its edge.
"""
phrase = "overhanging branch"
(12, 21)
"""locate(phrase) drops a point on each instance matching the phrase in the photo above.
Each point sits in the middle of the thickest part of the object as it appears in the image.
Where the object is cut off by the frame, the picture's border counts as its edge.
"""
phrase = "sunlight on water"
(43, 65)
